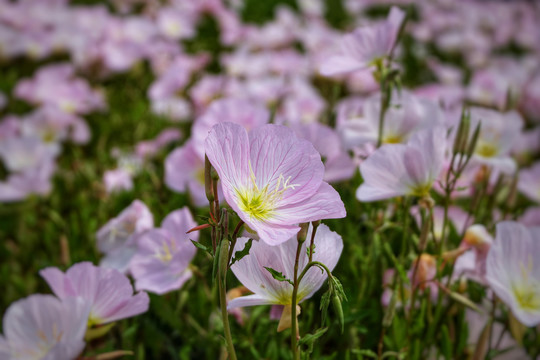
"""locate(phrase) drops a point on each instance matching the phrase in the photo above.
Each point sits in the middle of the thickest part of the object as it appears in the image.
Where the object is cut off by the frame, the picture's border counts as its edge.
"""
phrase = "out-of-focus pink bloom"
(531, 217)
(530, 101)
(184, 170)
(249, 114)
(529, 182)
(398, 169)
(456, 215)
(163, 255)
(117, 238)
(473, 264)
(528, 145)
(206, 90)
(25, 154)
(108, 291)
(366, 45)
(177, 109)
(513, 270)
(272, 179)
(498, 133)
(51, 124)
(57, 86)
(423, 279)
(337, 162)
(149, 148)
(175, 24)
(117, 179)
(18, 186)
(301, 104)
(42, 327)
(406, 115)
(251, 272)
(476, 322)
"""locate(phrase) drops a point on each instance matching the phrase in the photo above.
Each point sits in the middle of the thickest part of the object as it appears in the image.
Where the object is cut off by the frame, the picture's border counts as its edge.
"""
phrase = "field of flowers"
(277, 179)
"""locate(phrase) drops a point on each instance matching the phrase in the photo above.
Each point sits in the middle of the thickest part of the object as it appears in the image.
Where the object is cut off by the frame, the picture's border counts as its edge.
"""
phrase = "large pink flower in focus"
(272, 179)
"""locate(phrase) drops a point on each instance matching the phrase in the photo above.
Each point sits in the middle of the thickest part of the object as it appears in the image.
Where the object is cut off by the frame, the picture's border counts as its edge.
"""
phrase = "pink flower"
(529, 182)
(163, 255)
(473, 263)
(398, 169)
(513, 270)
(408, 113)
(184, 170)
(272, 179)
(117, 179)
(252, 274)
(42, 327)
(365, 45)
(117, 238)
(498, 134)
(249, 114)
(108, 291)
(338, 164)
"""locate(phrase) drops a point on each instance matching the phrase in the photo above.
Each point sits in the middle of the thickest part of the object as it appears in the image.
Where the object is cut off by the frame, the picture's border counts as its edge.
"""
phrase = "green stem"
(222, 283)
(296, 280)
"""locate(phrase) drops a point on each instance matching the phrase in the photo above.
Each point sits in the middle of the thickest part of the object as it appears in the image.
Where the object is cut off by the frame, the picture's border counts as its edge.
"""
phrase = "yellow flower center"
(259, 204)
(486, 149)
(527, 291)
(166, 251)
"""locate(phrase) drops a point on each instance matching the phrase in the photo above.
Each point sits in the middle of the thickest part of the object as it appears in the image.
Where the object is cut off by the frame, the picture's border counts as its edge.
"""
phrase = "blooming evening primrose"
(107, 290)
(251, 272)
(513, 270)
(398, 169)
(163, 255)
(42, 327)
(365, 46)
(272, 179)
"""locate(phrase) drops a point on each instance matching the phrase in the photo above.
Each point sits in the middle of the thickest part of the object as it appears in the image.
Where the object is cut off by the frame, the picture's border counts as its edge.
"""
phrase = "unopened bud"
(302, 234)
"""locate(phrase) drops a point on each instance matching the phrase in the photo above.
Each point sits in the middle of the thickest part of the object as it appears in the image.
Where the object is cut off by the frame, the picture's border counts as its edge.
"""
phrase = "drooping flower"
(108, 291)
(117, 238)
(251, 272)
(42, 327)
(477, 242)
(272, 179)
(364, 46)
(397, 169)
(163, 255)
(513, 270)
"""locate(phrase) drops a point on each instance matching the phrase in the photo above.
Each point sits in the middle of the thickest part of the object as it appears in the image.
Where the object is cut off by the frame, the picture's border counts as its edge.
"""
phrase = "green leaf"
(446, 343)
(241, 253)
(368, 353)
(202, 247)
(278, 276)
(309, 339)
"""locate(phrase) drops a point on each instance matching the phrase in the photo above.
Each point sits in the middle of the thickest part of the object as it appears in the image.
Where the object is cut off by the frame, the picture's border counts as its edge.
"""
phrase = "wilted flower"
(272, 179)
(163, 255)
(397, 169)
(117, 238)
(513, 270)
(108, 291)
(366, 45)
(42, 327)
(473, 264)
(251, 272)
